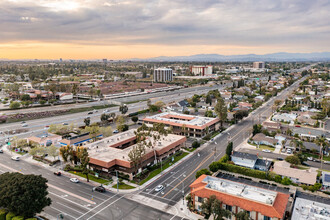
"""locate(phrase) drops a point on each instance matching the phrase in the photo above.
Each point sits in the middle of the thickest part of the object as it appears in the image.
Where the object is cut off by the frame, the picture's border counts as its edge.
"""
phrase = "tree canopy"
(25, 195)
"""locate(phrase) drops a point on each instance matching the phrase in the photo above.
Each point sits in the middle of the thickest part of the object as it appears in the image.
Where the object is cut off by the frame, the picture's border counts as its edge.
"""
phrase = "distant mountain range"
(280, 57)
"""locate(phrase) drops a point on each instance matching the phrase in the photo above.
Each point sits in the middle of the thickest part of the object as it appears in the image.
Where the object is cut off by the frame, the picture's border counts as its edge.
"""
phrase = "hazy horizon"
(86, 29)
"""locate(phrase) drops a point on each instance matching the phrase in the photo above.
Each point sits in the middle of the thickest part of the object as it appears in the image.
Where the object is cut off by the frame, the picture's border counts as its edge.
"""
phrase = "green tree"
(322, 142)
(83, 157)
(208, 99)
(134, 119)
(23, 194)
(257, 128)
(14, 105)
(104, 118)
(221, 110)
(123, 109)
(25, 97)
(52, 151)
(87, 121)
(243, 215)
(293, 159)
(229, 148)
(201, 172)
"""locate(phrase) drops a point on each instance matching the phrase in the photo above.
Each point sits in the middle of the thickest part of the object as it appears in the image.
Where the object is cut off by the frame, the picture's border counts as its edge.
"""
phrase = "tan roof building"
(111, 153)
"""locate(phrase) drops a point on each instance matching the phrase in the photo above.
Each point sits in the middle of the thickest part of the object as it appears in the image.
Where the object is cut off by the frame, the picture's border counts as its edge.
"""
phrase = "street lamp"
(183, 175)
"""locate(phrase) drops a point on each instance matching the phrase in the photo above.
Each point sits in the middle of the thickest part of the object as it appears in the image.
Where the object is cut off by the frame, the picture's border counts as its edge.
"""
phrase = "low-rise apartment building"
(188, 125)
(234, 196)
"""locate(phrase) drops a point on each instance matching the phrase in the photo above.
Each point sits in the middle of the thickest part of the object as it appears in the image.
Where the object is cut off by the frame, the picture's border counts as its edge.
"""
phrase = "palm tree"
(323, 143)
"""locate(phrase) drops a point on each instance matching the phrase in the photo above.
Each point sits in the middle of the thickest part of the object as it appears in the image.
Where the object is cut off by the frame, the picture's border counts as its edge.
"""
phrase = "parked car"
(280, 158)
(16, 158)
(99, 189)
(24, 125)
(310, 158)
(115, 131)
(74, 180)
(266, 151)
(57, 173)
(289, 151)
(65, 123)
(159, 188)
(1, 151)
(23, 122)
(89, 113)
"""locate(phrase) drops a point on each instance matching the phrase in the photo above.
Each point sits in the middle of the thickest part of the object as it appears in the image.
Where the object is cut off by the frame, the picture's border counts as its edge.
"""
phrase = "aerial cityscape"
(164, 110)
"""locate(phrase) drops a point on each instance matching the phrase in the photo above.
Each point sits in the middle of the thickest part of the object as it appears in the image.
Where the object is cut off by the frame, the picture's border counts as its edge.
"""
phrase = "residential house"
(284, 117)
(250, 161)
(45, 139)
(261, 139)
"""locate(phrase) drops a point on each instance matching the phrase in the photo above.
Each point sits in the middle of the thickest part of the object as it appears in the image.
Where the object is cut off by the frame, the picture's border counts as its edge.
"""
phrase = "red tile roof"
(276, 210)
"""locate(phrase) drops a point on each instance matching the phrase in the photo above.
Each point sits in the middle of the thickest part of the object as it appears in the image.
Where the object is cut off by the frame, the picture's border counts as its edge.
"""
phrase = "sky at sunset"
(96, 29)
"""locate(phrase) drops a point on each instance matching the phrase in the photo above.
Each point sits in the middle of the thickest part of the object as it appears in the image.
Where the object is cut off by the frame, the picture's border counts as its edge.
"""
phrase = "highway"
(39, 125)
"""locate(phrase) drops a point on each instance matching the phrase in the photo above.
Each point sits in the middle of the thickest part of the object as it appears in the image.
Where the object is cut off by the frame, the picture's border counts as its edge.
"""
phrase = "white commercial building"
(259, 65)
(201, 70)
(305, 209)
(163, 75)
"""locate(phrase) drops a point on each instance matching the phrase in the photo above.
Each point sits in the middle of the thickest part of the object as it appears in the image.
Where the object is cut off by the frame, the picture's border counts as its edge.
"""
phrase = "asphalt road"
(77, 201)
(182, 176)
(38, 125)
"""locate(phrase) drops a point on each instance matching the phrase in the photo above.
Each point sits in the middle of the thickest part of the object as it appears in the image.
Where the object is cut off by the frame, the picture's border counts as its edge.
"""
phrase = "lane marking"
(64, 198)
(62, 212)
(104, 207)
(96, 206)
(70, 208)
(206, 159)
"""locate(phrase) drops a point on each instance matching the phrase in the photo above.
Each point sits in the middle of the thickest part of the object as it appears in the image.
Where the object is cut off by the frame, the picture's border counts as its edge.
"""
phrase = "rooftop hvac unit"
(269, 201)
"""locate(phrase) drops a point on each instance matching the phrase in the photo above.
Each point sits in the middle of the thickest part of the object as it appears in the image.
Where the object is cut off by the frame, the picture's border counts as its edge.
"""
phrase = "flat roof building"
(259, 65)
(189, 125)
(234, 196)
(305, 209)
(201, 70)
(163, 75)
(111, 153)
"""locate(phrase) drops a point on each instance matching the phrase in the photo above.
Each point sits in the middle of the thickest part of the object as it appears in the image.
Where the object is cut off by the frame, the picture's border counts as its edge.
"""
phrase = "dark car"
(280, 158)
(99, 189)
(57, 173)
(89, 113)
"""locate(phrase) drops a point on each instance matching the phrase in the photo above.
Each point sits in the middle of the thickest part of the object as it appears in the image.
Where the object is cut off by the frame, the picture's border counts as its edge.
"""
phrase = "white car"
(24, 125)
(159, 188)
(310, 158)
(289, 151)
(74, 180)
(106, 111)
(266, 151)
(16, 158)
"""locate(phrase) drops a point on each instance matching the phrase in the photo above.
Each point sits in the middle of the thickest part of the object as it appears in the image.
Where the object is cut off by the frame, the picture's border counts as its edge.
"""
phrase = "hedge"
(215, 166)
(3, 213)
(18, 218)
(10, 216)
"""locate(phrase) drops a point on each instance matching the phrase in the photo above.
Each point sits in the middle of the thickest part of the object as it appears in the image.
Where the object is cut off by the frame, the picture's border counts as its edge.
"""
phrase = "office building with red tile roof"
(261, 204)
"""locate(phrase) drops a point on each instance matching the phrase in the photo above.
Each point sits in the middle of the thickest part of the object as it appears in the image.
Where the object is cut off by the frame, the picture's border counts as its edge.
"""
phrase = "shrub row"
(4, 215)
